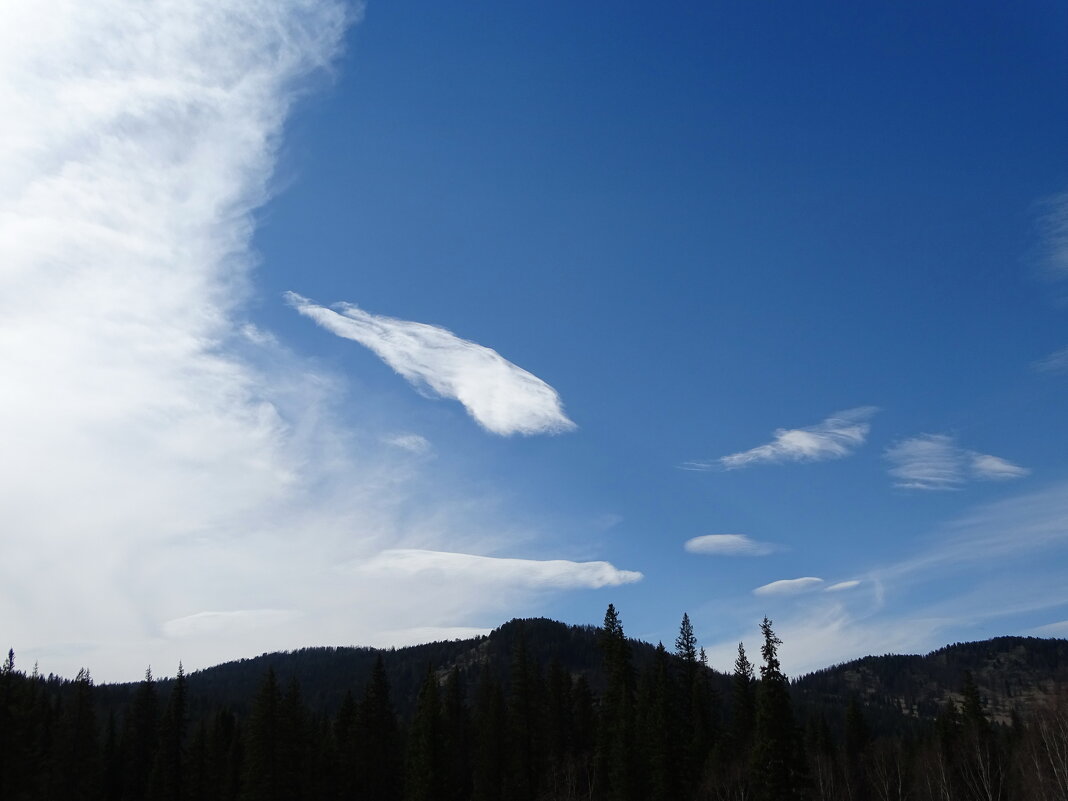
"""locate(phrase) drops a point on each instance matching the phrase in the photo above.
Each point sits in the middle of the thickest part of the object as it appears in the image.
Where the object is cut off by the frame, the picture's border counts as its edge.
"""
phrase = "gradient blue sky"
(796, 275)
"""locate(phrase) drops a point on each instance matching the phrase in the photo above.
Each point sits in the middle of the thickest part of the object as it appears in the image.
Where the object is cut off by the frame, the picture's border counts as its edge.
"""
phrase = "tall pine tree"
(778, 768)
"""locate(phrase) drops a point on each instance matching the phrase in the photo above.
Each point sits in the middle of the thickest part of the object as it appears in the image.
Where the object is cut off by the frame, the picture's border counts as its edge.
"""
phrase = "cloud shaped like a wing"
(936, 462)
(837, 436)
(788, 586)
(555, 573)
(502, 397)
(728, 545)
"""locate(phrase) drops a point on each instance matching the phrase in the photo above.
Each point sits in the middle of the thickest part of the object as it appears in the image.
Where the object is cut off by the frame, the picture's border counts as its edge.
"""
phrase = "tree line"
(517, 732)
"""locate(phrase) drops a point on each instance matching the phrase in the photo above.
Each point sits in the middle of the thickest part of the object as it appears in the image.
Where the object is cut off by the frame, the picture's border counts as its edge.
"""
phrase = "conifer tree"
(743, 702)
(524, 726)
(559, 732)
(425, 770)
(167, 777)
(77, 744)
(778, 770)
(616, 763)
(489, 753)
(348, 757)
(293, 744)
(660, 731)
(456, 732)
(261, 769)
(377, 739)
(140, 739)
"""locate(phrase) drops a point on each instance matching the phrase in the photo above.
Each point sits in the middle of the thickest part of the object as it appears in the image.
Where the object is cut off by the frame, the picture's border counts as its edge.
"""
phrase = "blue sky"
(336, 325)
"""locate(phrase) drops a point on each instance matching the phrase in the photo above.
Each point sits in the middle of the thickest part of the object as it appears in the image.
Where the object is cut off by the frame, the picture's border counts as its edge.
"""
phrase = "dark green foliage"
(537, 711)
(167, 778)
(778, 765)
(425, 771)
(456, 731)
(377, 741)
(140, 739)
(490, 723)
(616, 745)
(524, 727)
(262, 764)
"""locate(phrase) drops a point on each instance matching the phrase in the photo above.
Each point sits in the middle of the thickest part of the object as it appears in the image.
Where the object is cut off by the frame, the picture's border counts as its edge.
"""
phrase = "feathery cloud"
(842, 585)
(502, 397)
(936, 462)
(559, 573)
(1053, 228)
(1056, 362)
(788, 586)
(837, 436)
(225, 623)
(728, 545)
(413, 443)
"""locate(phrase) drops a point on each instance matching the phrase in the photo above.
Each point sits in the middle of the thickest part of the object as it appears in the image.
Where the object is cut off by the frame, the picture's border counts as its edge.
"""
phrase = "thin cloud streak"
(1053, 229)
(935, 462)
(728, 545)
(413, 443)
(502, 397)
(843, 585)
(834, 438)
(789, 586)
(556, 573)
(1056, 362)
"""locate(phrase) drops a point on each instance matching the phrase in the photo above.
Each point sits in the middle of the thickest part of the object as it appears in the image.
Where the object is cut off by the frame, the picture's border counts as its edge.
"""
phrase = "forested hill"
(897, 691)
(325, 675)
(539, 710)
(1012, 674)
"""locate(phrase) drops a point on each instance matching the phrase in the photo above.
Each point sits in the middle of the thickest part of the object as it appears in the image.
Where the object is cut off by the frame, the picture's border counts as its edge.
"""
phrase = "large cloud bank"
(175, 483)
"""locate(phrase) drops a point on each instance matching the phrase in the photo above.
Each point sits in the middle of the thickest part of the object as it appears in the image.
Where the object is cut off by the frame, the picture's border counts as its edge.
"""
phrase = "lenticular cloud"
(502, 397)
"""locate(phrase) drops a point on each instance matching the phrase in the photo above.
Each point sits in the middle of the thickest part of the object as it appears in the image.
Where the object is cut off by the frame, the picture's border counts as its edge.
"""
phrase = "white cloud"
(843, 585)
(422, 634)
(1059, 629)
(728, 545)
(172, 473)
(1053, 228)
(837, 436)
(413, 443)
(502, 397)
(558, 573)
(225, 623)
(992, 468)
(788, 586)
(1056, 362)
(935, 462)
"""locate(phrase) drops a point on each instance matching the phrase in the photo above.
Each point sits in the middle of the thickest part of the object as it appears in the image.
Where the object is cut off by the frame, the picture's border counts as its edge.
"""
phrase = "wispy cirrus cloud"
(502, 397)
(837, 436)
(843, 585)
(1053, 230)
(936, 462)
(226, 623)
(413, 443)
(789, 586)
(536, 573)
(1056, 362)
(728, 545)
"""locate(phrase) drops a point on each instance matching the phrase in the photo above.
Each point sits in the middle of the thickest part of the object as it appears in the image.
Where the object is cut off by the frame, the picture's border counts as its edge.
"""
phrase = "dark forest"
(540, 710)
